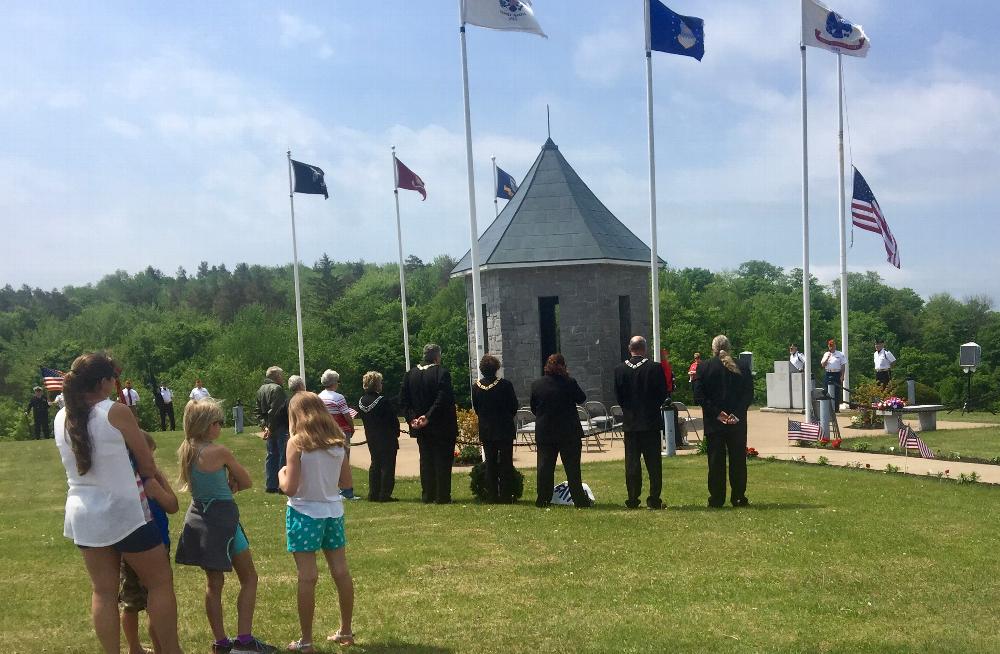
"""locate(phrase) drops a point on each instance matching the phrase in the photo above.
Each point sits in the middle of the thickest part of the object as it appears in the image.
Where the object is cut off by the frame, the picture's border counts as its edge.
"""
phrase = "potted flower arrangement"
(889, 404)
(752, 453)
(888, 408)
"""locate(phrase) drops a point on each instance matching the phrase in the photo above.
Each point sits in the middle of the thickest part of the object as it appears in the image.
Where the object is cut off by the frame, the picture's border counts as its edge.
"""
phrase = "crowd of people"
(118, 500)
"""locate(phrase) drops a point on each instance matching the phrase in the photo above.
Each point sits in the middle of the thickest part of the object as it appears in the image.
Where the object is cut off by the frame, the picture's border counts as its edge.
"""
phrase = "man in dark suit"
(428, 403)
(724, 389)
(641, 388)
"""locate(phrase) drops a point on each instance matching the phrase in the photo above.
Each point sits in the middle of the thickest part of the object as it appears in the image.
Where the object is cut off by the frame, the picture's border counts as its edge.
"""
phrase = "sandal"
(342, 638)
(300, 646)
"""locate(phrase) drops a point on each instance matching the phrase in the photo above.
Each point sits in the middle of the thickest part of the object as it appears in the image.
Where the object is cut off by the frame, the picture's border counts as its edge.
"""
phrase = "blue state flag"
(675, 34)
(506, 186)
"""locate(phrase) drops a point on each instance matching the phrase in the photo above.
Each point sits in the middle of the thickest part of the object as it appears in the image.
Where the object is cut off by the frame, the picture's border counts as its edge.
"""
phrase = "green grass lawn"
(982, 443)
(974, 416)
(825, 560)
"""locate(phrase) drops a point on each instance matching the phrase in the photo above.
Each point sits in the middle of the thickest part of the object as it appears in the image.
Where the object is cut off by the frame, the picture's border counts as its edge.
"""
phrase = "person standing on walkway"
(495, 403)
(428, 403)
(835, 364)
(724, 390)
(640, 389)
(38, 407)
(166, 408)
(558, 433)
(270, 400)
(884, 361)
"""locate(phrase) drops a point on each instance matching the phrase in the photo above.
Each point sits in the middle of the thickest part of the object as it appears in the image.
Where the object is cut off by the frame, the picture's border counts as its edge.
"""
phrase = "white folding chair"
(524, 428)
(691, 424)
(591, 433)
(599, 415)
(617, 422)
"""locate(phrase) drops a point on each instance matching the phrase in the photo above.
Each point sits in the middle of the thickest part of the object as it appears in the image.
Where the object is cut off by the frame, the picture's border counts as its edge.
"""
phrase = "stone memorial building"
(559, 273)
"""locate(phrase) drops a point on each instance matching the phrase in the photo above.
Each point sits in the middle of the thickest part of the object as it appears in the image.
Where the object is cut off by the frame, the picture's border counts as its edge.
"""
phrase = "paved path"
(767, 433)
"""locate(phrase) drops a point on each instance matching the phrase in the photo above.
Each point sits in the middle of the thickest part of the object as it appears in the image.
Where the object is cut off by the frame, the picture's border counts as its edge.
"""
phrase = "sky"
(137, 134)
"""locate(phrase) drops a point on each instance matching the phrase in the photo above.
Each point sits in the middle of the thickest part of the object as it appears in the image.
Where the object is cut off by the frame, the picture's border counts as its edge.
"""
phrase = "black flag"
(309, 179)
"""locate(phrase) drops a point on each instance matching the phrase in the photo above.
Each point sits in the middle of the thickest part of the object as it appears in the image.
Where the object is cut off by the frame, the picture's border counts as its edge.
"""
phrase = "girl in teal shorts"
(314, 518)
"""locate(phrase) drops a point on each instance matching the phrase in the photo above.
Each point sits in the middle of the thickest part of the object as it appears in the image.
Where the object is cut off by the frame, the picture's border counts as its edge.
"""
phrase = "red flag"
(407, 179)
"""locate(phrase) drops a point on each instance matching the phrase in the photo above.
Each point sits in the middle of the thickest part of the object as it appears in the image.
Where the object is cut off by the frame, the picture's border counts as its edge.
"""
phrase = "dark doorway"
(624, 323)
(548, 326)
(486, 331)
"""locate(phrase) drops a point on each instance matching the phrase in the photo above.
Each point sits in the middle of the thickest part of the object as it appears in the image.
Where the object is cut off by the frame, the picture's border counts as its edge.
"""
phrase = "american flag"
(866, 214)
(52, 379)
(910, 441)
(804, 431)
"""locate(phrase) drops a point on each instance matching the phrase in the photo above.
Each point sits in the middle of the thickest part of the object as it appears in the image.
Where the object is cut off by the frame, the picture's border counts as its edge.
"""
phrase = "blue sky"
(155, 133)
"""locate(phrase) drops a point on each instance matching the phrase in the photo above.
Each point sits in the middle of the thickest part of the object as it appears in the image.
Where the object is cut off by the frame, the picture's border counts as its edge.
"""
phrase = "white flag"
(822, 28)
(508, 15)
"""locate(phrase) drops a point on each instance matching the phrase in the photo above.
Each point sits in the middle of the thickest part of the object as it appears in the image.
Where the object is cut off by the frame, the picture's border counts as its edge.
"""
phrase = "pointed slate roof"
(554, 218)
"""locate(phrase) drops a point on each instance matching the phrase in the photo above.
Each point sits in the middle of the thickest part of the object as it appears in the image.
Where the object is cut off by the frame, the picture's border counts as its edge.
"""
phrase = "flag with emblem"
(506, 186)
(866, 214)
(822, 28)
(409, 180)
(52, 379)
(309, 179)
(674, 34)
(505, 15)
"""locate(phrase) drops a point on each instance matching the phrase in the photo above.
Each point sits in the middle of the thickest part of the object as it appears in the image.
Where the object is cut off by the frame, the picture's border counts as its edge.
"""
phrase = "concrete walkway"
(767, 432)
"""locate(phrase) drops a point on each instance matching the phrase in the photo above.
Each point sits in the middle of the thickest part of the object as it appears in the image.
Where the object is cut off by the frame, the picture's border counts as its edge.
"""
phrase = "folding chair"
(598, 415)
(591, 433)
(524, 428)
(691, 424)
(617, 422)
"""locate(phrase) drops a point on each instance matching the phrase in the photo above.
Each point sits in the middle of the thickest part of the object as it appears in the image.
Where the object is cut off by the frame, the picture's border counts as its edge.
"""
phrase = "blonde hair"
(372, 382)
(720, 348)
(199, 415)
(311, 425)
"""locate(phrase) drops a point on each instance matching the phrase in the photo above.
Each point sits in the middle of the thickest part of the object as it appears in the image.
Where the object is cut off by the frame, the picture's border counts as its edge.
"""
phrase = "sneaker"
(255, 646)
(222, 646)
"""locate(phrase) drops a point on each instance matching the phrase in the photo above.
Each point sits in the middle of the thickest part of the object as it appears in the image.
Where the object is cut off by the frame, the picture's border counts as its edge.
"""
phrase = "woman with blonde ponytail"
(724, 389)
(107, 515)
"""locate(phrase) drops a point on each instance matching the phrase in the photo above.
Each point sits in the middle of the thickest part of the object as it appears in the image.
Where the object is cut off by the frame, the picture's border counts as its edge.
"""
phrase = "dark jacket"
(640, 388)
(718, 389)
(270, 399)
(553, 401)
(380, 421)
(427, 391)
(495, 403)
(39, 407)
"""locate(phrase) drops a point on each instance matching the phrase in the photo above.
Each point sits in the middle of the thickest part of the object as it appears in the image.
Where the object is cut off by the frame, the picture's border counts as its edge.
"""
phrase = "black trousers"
(834, 378)
(499, 470)
(643, 445)
(382, 473)
(733, 443)
(569, 451)
(167, 410)
(437, 456)
(41, 427)
(883, 377)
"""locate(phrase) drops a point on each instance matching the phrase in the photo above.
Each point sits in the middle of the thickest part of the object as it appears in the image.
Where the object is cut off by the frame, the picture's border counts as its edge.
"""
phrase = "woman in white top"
(314, 519)
(106, 511)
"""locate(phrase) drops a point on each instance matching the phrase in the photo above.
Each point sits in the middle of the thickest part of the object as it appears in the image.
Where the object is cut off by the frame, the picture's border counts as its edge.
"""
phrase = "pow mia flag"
(309, 179)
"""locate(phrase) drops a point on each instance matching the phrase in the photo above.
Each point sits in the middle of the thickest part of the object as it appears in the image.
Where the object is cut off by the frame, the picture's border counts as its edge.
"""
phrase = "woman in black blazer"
(382, 433)
(495, 403)
(554, 398)
(724, 389)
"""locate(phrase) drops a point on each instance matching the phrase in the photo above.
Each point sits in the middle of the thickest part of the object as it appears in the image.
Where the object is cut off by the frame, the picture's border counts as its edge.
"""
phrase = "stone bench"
(927, 413)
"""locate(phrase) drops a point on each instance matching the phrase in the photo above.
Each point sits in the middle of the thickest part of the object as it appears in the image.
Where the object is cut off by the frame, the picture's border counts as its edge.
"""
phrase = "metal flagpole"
(402, 269)
(295, 271)
(496, 207)
(806, 308)
(653, 259)
(477, 307)
(841, 216)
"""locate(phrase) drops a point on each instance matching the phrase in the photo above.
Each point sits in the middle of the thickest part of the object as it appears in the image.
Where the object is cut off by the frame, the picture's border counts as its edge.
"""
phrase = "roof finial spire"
(548, 121)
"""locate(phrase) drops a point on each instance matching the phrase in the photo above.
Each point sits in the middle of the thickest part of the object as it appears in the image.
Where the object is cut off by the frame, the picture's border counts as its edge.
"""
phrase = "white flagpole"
(402, 269)
(295, 271)
(806, 308)
(496, 207)
(653, 259)
(841, 219)
(477, 307)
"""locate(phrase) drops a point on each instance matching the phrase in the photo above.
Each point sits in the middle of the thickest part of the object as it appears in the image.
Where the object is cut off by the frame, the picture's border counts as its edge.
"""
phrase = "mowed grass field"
(825, 560)
(981, 443)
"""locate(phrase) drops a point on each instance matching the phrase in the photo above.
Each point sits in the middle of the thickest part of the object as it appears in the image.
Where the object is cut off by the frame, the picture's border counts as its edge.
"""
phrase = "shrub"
(823, 461)
(468, 428)
(478, 482)
(702, 447)
(924, 394)
(468, 454)
(862, 446)
(865, 394)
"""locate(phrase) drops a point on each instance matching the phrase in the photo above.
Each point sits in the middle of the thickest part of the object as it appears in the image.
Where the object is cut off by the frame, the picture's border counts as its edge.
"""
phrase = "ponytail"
(85, 375)
(721, 347)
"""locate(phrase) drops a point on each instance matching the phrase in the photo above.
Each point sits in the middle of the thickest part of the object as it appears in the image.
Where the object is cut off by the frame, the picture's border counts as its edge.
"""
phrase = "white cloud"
(122, 127)
(295, 33)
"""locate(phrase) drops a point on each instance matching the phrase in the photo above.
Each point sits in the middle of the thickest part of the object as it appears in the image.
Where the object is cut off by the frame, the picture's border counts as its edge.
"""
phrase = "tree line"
(225, 327)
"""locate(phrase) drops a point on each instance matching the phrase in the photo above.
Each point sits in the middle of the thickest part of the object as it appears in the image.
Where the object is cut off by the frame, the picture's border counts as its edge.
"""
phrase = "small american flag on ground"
(910, 441)
(52, 379)
(866, 214)
(804, 431)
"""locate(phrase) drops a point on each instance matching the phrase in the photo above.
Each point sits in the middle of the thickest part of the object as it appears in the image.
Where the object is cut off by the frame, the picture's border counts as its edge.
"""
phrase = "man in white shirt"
(834, 363)
(884, 361)
(796, 359)
(199, 392)
(166, 408)
(131, 398)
